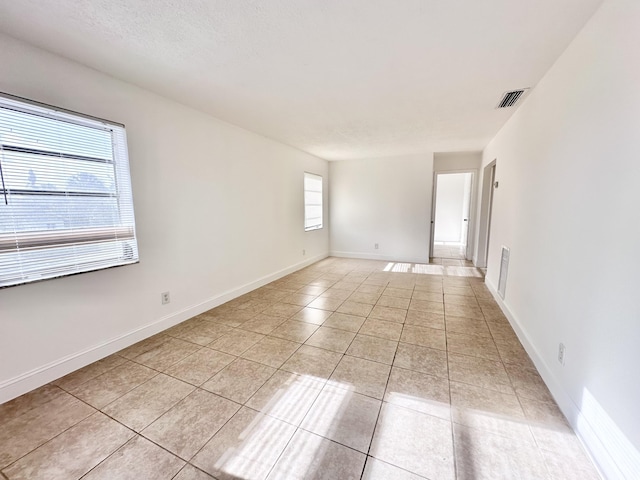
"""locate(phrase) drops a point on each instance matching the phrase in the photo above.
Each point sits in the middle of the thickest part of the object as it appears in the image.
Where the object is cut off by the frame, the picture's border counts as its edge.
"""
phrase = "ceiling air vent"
(509, 99)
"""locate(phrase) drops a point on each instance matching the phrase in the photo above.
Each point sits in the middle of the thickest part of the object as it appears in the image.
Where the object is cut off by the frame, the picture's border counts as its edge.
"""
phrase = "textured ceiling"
(336, 78)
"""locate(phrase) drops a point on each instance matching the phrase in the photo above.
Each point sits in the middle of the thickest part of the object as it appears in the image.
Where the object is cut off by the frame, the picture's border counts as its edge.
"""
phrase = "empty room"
(304, 239)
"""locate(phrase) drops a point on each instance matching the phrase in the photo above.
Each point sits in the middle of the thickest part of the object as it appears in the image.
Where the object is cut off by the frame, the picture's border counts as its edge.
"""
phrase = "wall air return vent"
(504, 270)
(509, 99)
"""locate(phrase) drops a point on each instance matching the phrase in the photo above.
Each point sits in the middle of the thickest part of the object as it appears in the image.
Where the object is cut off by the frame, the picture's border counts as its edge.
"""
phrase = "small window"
(65, 203)
(312, 201)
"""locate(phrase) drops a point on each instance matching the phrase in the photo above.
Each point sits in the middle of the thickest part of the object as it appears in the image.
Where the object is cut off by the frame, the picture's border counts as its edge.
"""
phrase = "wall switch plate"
(165, 298)
(375, 246)
(561, 353)
(304, 252)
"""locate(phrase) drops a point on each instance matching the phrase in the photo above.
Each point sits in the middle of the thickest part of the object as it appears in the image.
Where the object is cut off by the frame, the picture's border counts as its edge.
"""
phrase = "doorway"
(451, 215)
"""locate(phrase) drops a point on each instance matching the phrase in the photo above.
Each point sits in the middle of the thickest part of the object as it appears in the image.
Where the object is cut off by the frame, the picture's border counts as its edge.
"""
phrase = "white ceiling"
(337, 78)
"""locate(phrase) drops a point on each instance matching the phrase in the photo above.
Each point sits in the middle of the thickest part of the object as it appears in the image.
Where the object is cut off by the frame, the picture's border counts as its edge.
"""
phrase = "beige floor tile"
(74, 452)
(373, 348)
(426, 306)
(562, 467)
(431, 286)
(378, 470)
(421, 359)
(294, 331)
(528, 383)
(203, 333)
(398, 292)
(23, 433)
(388, 314)
(111, 385)
(336, 294)
(87, 373)
(313, 362)
(145, 403)
(363, 376)
(355, 308)
(343, 321)
(488, 410)
(502, 333)
(234, 318)
(346, 285)
(427, 296)
(312, 315)
(236, 342)
(393, 302)
(368, 298)
(24, 403)
(465, 311)
(400, 440)
(190, 472)
(425, 319)
(459, 290)
(299, 299)
(198, 367)
(190, 424)
(312, 290)
(246, 447)
(480, 372)
(263, 324)
(166, 354)
(143, 346)
(138, 459)
(310, 456)
(286, 396)
(426, 337)
(326, 303)
(382, 329)
(271, 351)
(515, 354)
(370, 289)
(239, 380)
(419, 391)
(468, 326)
(473, 345)
(482, 455)
(460, 300)
(343, 416)
(331, 339)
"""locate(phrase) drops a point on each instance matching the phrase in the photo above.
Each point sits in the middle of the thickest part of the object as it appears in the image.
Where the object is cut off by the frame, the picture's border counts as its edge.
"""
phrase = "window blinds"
(312, 201)
(65, 205)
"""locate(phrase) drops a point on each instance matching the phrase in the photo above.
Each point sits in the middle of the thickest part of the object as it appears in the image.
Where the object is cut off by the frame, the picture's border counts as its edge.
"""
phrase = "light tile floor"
(348, 369)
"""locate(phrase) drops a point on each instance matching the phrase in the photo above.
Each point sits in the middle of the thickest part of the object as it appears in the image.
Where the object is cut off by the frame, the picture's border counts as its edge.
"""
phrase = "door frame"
(486, 209)
(472, 209)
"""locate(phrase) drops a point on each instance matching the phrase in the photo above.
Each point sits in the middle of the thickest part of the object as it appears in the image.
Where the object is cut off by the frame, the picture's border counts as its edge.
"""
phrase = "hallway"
(346, 369)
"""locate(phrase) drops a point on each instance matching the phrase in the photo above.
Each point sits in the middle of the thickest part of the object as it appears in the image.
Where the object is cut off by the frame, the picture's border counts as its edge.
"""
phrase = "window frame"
(314, 177)
(120, 233)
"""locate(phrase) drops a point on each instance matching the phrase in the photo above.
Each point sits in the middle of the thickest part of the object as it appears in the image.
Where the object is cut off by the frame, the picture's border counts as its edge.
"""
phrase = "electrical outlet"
(304, 252)
(375, 246)
(165, 298)
(561, 352)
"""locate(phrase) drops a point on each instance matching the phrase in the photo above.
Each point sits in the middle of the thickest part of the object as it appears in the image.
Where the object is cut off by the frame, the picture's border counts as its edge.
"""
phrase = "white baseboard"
(612, 452)
(375, 256)
(44, 374)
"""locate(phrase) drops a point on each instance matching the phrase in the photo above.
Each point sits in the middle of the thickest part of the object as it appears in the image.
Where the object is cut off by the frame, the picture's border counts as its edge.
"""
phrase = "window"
(65, 203)
(312, 201)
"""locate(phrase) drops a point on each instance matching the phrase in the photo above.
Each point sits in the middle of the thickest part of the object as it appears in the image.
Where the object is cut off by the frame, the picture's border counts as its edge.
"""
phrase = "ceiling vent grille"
(509, 99)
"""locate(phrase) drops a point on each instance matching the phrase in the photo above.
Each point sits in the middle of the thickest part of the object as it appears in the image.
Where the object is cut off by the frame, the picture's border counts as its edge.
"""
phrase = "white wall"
(385, 201)
(460, 161)
(568, 163)
(219, 210)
